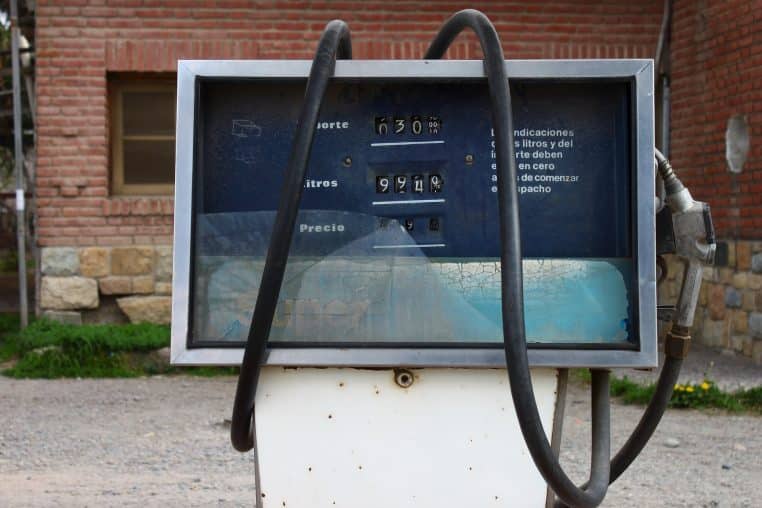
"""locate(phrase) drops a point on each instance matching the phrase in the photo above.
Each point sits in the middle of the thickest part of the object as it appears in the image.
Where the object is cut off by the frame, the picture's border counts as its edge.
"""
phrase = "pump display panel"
(395, 254)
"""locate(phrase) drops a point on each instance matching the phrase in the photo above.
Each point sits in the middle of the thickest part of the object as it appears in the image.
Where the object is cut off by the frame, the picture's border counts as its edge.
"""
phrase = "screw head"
(469, 159)
(404, 378)
(347, 161)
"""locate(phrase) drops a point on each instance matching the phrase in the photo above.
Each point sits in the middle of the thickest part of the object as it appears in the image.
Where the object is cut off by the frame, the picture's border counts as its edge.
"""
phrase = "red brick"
(713, 79)
(80, 41)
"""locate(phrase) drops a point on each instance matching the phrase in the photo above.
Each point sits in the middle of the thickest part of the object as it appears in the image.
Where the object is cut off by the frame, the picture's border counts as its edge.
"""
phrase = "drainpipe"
(662, 71)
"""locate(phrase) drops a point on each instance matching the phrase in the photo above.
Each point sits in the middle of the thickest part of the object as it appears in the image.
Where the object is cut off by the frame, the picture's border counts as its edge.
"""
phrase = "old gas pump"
(422, 238)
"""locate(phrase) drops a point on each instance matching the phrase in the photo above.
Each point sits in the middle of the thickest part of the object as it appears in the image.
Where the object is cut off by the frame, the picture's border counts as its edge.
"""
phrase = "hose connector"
(679, 197)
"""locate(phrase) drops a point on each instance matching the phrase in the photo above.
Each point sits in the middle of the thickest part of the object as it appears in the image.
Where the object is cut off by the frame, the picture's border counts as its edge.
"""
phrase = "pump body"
(357, 438)
(394, 264)
(395, 255)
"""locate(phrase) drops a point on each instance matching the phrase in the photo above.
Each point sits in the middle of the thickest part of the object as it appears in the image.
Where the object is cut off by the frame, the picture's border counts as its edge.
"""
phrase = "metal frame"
(638, 72)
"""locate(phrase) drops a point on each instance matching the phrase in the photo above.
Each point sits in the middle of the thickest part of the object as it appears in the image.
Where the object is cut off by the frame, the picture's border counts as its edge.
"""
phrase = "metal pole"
(18, 155)
(666, 104)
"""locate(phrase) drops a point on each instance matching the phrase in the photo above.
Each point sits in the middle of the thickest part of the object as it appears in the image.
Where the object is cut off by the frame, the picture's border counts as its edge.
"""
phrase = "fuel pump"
(424, 222)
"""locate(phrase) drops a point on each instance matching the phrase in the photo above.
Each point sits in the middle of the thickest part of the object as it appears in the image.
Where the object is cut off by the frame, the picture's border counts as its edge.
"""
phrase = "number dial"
(418, 184)
(382, 126)
(435, 183)
(400, 184)
(416, 126)
(399, 125)
(382, 184)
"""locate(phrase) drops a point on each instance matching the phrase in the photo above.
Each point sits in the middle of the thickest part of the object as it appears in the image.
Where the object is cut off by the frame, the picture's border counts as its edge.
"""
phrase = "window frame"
(117, 88)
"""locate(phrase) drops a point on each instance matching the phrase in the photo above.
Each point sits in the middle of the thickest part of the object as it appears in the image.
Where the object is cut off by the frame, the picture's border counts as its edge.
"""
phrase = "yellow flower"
(705, 386)
(689, 389)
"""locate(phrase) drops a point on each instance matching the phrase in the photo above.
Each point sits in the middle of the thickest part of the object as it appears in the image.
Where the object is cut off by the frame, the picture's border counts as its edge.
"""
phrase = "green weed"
(48, 349)
(704, 395)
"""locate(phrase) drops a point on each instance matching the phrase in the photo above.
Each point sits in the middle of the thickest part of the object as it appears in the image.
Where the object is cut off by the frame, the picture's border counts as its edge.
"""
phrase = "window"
(142, 136)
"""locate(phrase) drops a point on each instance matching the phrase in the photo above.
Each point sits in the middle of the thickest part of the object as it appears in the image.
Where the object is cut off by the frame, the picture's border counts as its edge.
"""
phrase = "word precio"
(321, 228)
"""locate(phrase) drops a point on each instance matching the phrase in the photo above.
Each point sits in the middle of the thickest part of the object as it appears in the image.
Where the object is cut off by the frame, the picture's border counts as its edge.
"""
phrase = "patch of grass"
(8, 323)
(93, 338)
(580, 375)
(9, 262)
(631, 392)
(9, 327)
(57, 362)
(49, 350)
(206, 371)
(704, 395)
(751, 398)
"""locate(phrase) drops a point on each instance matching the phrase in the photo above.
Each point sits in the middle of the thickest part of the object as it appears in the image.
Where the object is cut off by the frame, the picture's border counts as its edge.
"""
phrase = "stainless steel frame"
(640, 72)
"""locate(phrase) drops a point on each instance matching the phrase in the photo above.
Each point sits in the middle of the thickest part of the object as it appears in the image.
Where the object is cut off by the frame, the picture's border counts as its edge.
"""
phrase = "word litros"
(317, 184)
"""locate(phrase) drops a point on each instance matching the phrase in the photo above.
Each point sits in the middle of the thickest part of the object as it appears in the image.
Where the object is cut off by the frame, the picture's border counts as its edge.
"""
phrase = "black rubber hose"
(512, 291)
(334, 43)
(657, 406)
(648, 422)
(650, 419)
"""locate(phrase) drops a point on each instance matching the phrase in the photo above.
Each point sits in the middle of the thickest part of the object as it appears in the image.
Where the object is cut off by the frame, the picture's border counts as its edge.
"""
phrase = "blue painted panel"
(358, 271)
(247, 129)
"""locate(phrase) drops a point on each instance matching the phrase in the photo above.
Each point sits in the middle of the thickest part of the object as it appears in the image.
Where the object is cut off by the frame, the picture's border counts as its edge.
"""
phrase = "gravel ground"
(730, 371)
(163, 442)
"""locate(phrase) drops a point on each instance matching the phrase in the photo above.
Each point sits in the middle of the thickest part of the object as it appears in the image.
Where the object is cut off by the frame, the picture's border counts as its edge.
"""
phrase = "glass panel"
(148, 113)
(149, 162)
(397, 240)
(358, 294)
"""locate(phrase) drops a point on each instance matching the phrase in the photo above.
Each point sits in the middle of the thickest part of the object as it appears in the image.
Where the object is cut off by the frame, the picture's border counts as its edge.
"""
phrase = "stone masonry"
(75, 278)
(729, 314)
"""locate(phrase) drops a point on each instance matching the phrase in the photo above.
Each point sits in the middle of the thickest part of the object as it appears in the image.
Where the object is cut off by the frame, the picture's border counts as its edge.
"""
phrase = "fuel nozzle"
(694, 244)
(692, 220)
(679, 197)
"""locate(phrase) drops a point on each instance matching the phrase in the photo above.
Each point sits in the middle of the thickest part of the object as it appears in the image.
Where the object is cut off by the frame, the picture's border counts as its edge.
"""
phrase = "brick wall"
(80, 41)
(716, 73)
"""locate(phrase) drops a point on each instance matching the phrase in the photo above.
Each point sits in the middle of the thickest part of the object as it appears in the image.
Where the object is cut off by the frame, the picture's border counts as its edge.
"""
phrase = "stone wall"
(730, 307)
(77, 279)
